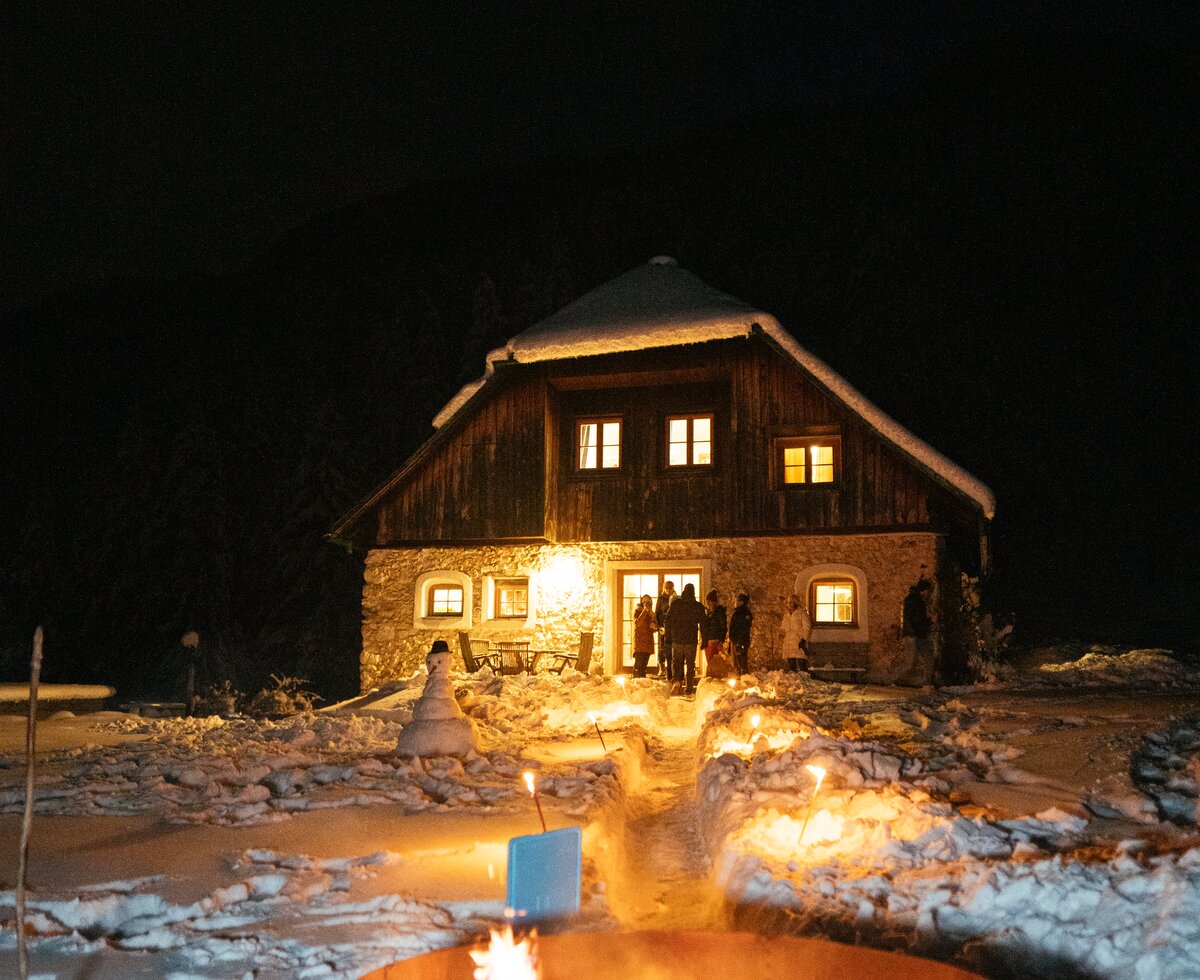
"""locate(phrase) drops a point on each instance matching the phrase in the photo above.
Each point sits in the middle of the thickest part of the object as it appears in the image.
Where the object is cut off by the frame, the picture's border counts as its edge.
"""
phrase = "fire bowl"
(685, 955)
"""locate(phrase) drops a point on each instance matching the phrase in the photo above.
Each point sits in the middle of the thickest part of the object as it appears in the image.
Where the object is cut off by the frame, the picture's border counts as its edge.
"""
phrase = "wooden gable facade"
(503, 470)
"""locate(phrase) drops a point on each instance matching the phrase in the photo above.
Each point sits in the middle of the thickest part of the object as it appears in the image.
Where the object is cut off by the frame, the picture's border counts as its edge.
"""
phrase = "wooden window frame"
(783, 442)
(431, 591)
(854, 601)
(599, 421)
(690, 418)
(498, 586)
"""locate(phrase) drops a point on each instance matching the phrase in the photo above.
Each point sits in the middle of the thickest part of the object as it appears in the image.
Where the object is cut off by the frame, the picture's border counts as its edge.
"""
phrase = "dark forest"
(1003, 257)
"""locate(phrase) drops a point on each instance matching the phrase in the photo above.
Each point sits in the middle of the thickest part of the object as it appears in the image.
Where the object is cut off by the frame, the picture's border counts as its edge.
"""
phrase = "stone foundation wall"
(569, 594)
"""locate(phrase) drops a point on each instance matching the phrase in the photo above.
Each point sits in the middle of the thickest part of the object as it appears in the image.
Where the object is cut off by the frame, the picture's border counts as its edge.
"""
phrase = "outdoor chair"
(513, 656)
(474, 661)
(583, 660)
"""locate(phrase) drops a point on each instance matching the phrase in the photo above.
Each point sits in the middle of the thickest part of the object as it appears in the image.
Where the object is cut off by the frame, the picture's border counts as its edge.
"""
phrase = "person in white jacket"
(797, 627)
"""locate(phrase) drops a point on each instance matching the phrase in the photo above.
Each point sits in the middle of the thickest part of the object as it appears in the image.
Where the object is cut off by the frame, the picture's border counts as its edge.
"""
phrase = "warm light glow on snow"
(608, 715)
(780, 835)
(779, 740)
(507, 959)
(854, 824)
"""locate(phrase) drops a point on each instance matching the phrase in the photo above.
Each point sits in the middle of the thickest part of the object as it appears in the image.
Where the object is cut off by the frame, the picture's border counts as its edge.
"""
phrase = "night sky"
(209, 209)
(150, 139)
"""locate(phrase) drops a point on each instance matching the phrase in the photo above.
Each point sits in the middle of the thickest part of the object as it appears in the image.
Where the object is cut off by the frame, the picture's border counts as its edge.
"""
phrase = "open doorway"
(632, 584)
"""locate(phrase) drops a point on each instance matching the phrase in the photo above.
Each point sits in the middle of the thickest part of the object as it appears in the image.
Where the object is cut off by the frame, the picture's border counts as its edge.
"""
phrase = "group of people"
(682, 625)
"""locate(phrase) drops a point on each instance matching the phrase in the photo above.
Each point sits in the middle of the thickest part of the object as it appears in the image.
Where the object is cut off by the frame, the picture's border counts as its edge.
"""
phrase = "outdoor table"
(535, 657)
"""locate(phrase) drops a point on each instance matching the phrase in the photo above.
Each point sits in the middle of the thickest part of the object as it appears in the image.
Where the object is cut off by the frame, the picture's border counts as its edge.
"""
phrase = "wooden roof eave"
(343, 531)
(937, 477)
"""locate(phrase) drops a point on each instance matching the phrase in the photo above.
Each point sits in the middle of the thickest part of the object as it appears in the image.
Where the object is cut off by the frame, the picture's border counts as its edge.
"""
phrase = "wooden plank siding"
(508, 470)
(486, 479)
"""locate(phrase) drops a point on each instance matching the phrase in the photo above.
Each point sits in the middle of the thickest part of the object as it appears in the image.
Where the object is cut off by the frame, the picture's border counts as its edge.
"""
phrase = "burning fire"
(507, 959)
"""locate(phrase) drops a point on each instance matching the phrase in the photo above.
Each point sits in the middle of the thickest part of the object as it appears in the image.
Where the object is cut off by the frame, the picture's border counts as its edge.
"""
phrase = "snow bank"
(881, 853)
(887, 850)
(1104, 667)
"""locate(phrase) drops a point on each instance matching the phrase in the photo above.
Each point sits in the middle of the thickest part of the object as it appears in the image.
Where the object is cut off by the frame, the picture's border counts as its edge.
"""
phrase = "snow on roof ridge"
(709, 315)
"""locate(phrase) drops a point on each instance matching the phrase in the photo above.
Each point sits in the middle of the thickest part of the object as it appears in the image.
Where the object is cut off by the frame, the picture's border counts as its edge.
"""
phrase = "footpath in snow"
(1045, 827)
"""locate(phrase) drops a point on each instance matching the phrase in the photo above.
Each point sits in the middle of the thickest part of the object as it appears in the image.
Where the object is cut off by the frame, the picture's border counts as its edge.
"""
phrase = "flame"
(732, 682)
(592, 717)
(527, 775)
(507, 959)
(755, 721)
(818, 774)
(621, 681)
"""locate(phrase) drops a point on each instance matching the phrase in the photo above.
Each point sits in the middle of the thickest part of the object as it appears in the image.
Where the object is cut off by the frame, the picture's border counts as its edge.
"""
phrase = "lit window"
(690, 440)
(833, 602)
(512, 598)
(808, 460)
(599, 444)
(445, 600)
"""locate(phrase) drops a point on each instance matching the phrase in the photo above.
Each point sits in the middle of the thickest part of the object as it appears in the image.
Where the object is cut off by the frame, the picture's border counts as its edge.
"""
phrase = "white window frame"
(425, 584)
(490, 620)
(859, 633)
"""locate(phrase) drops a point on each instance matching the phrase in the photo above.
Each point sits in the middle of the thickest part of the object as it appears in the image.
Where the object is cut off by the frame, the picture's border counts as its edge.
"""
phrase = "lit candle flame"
(732, 682)
(527, 775)
(621, 681)
(818, 774)
(592, 717)
(755, 720)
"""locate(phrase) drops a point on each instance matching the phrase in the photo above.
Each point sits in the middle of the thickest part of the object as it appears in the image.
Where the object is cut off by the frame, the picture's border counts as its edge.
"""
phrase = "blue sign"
(545, 873)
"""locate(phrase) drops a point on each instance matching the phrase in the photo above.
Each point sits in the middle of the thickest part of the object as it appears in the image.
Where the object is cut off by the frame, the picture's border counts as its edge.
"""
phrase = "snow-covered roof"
(661, 305)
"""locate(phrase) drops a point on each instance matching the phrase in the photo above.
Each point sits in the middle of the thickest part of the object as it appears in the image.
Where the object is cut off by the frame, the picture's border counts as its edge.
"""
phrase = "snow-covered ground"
(1043, 827)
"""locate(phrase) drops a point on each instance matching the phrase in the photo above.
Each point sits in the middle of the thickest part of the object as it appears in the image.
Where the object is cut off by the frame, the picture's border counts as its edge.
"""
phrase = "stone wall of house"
(568, 585)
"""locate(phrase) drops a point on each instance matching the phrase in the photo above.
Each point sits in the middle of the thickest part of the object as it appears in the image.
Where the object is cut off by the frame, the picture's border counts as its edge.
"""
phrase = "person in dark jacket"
(666, 597)
(683, 625)
(739, 633)
(916, 625)
(713, 628)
